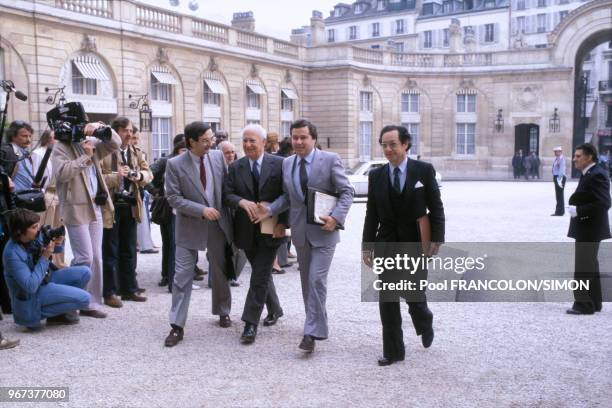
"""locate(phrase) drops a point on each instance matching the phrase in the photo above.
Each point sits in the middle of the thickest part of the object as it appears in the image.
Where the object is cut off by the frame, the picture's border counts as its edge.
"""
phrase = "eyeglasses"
(208, 141)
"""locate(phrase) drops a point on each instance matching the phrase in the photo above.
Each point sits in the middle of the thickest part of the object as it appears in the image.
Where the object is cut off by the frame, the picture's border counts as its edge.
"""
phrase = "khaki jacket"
(72, 182)
(137, 162)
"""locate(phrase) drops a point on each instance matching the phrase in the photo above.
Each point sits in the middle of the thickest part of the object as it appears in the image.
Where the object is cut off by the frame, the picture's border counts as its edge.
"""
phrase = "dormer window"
(359, 8)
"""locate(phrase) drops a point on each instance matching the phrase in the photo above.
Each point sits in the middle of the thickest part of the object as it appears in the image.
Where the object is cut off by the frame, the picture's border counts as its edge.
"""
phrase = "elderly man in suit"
(399, 193)
(257, 177)
(589, 225)
(310, 167)
(201, 223)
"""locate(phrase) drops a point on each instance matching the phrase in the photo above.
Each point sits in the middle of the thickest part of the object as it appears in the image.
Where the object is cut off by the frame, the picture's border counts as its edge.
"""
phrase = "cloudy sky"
(272, 17)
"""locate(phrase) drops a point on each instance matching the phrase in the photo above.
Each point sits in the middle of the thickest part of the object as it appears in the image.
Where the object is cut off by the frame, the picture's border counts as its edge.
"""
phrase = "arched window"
(288, 103)
(86, 71)
(254, 95)
(213, 91)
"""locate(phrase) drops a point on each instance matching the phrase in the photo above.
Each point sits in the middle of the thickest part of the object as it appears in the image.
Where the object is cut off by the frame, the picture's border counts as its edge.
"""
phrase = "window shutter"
(496, 32)
(481, 34)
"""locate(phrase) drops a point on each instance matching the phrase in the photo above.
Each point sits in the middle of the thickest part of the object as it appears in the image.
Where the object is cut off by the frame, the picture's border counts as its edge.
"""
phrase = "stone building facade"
(192, 69)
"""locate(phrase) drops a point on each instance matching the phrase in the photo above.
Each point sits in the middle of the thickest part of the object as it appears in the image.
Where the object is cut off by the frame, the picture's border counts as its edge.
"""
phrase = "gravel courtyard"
(484, 354)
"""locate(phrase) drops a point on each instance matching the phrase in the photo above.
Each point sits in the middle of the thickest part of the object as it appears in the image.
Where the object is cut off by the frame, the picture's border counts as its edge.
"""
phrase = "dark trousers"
(5, 300)
(517, 172)
(587, 269)
(391, 318)
(168, 250)
(119, 254)
(560, 209)
(261, 289)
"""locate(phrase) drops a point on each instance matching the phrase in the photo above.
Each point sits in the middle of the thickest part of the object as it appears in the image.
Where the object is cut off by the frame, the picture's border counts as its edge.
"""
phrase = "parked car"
(358, 176)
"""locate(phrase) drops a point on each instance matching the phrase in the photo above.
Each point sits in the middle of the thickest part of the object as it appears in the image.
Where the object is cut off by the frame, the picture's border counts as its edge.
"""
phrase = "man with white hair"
(256, 178)
(229, 152)
(558, 171)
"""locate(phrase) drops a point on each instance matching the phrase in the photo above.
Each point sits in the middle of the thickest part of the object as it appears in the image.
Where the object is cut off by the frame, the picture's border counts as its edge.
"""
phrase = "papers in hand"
(324, 204)
(267, 226)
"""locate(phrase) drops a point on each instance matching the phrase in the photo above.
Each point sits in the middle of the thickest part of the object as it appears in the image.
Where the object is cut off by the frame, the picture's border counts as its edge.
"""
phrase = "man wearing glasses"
(194, 183)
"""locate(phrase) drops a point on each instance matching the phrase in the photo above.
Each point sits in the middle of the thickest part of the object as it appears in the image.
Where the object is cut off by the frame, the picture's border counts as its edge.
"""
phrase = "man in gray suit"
(315, 244)
(201, 223)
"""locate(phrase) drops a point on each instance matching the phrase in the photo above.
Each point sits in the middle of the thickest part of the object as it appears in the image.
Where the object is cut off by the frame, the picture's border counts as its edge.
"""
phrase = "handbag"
(32, 199)
(161, 212)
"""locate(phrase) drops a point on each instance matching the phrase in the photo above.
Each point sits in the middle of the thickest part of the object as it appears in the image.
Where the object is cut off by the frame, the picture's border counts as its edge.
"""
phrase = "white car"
(358, 176)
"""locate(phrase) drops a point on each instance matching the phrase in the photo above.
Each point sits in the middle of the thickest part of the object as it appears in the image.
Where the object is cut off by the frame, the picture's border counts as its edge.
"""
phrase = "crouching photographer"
(84, 202)
(37, 289)
(125, 172)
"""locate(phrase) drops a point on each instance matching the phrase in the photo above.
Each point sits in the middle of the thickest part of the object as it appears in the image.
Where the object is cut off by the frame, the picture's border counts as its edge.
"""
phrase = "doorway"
(527, 139)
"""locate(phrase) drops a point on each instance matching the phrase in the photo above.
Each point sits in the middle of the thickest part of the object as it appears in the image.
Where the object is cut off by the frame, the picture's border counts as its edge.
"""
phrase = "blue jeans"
(65, 292)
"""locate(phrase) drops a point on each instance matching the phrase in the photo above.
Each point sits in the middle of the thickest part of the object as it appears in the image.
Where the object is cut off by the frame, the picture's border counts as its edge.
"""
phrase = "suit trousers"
(261, 288)
(314, 263)
(560, 208)
(587, 269)
(391, 318)
(185, 262)
(119, 254)
(86, 244)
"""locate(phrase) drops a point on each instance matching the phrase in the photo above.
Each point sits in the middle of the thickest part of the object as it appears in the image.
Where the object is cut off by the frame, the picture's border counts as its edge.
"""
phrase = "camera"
(68, 122)
(100, 198)
(124, 197)
(48, 234)
(133, 174)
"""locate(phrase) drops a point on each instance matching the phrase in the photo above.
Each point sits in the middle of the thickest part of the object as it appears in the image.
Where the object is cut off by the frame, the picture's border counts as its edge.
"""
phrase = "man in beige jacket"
(81, 191)
(125, 172)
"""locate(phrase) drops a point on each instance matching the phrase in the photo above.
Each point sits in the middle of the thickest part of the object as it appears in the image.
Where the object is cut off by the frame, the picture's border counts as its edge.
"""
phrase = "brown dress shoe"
(96, 314)
(176, 335)
(113, 301)
(134, 297)
(225, 321)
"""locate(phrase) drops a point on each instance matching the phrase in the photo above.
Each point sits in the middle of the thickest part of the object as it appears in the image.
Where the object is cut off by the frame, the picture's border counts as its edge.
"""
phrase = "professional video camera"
(68, 121)
(48, 234)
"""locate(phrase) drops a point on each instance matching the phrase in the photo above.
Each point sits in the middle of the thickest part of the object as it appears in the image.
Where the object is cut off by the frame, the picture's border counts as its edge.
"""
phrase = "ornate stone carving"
(410, 84)
(455, 33)
(366, 81)
(288, 77)
(162, 55)
(466, 84)
(212, 64)
(254, 71)
(88, 43)
(528, 97)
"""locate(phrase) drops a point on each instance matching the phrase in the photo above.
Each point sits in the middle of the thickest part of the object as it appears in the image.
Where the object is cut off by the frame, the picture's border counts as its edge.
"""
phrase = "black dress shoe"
(176, 335)
(163, 282)
(556, 215)
(66, 318)
(573, 311)
(198, 277)
(249, 333)
(272, 318)
(384, 361)
(307, 344)
(278, 271)
(427, 338)
(225, 321)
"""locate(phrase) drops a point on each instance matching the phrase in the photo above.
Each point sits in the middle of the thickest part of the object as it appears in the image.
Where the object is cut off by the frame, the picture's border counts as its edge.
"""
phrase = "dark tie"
(303, 177)
(256, 180)
(396, 180)
(202, 173)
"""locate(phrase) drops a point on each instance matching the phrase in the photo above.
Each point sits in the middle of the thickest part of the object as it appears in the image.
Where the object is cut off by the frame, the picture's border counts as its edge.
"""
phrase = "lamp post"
(554, 124)
(499, 121)
(144, 111)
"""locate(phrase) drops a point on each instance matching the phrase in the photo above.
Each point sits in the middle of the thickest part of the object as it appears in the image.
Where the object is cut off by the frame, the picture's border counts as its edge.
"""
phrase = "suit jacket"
(239, 185)
(138, 162)
(383, 225)
(186, 195)
(326, 173)
(592, 201)
(72, 182)
(9, 158)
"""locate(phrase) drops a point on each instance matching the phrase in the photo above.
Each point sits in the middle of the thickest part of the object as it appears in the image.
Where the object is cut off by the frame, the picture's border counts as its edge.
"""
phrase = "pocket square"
(418, 185)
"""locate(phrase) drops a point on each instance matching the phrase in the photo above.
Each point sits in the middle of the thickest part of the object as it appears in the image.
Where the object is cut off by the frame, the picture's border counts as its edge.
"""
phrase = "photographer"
(37, 290)
(19, 138)
(84, 204)
(124, 171)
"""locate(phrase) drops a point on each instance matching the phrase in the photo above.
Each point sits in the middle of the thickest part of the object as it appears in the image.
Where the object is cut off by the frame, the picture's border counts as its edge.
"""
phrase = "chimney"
(317, 28)
(244, 21)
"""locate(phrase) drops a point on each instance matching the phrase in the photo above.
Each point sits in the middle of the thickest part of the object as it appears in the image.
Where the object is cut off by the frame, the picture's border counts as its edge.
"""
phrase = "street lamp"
(554, 124)
(144, 111)
(499, 121)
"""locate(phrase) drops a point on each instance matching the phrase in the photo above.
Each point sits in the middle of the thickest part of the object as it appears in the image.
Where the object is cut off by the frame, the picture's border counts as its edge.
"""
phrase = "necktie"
(202, 173)
(303, 177)
(396, 180)
(256, 172)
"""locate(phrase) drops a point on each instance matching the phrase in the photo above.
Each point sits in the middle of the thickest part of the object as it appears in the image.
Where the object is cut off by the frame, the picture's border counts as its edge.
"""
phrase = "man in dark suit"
(399, 193)
(589, 225)
(257, 177)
